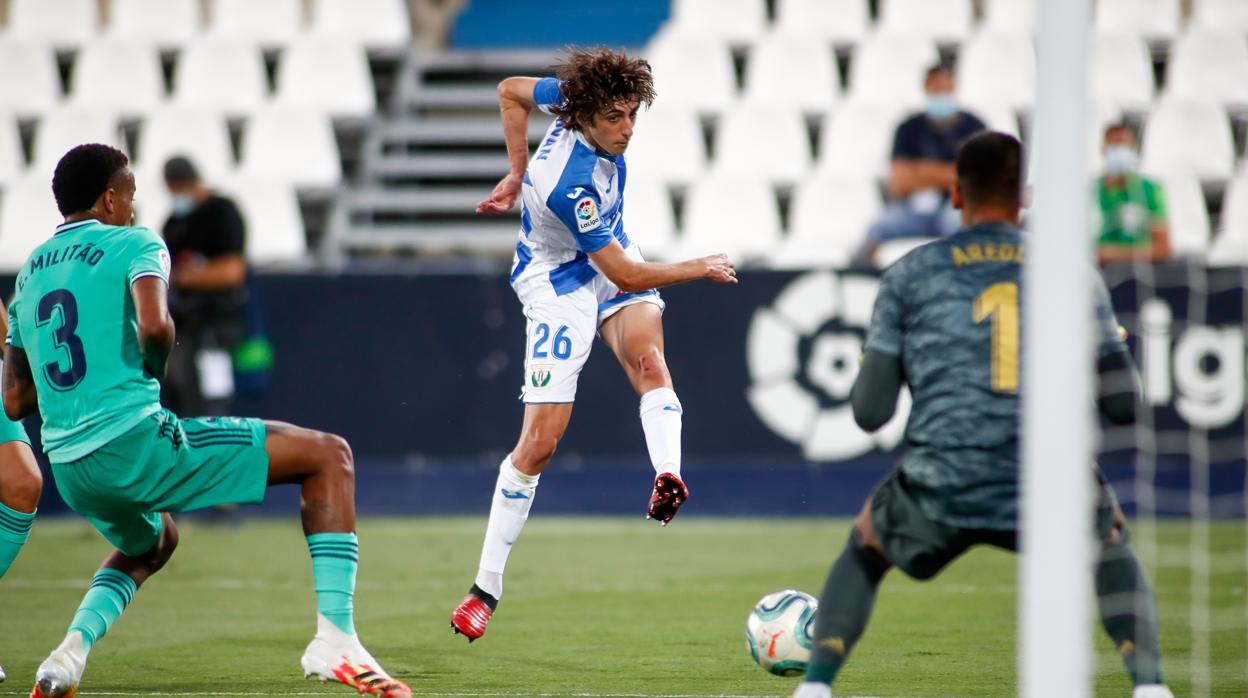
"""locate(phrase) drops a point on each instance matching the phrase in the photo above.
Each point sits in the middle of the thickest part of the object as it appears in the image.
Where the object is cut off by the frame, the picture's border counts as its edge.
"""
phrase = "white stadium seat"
(28, 216)
(995, 115)
(1187, 215)
(828, 222)
(792, 71)
(1152, 19)
(766, 142)
(292, 145)
(1230, 247)
(221, 74)
(1122, 71)
(329, 76)
(841, 21)
(890, 68)
(166, 23)
(946, 21)
(1016, 17)
(650, 220)
(272, 23)
(151, 200)
(12, 161)
(858, 139)
(1209, 65)
(374, 23)
(692, 72)
(118, 76)
(274, 223)
(66, 127)
(30, 82)
(1227, 15)
(738, 21)
(1188, 137)
(667, 146)
(734, 215)
(65, 23)
(997, 68)
(201, 136)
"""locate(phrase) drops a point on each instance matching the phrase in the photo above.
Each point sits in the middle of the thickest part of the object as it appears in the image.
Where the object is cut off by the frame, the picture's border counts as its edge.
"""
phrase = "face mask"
(182, 205)
(1121, 160)
(940, 107)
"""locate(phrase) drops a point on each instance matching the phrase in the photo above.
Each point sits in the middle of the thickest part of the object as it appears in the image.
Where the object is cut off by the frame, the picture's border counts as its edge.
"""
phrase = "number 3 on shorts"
(561, 348)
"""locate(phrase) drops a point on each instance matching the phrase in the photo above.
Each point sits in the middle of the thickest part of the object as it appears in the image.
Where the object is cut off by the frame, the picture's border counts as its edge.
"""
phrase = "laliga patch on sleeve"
(587, 217)
(165, 264)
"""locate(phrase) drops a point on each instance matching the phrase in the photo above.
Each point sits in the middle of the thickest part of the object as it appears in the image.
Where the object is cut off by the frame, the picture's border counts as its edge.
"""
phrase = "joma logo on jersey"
(540, 377)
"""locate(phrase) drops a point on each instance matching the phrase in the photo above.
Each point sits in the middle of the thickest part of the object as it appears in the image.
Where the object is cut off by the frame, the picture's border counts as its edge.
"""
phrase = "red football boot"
(669, 493)
(473, 613)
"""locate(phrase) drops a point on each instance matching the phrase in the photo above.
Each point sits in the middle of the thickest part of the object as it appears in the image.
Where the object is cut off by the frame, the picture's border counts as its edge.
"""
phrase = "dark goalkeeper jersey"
(950, 310)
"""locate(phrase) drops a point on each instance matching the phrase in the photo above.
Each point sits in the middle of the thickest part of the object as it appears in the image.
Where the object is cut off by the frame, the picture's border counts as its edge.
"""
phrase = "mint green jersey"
(73, 315)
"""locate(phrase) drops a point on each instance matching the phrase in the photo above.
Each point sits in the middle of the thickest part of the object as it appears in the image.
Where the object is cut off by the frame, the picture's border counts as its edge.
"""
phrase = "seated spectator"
(922, 171)
(1132, 208)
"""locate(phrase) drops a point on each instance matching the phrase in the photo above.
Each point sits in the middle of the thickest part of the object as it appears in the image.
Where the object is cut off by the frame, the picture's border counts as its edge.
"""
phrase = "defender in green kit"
(89, 337)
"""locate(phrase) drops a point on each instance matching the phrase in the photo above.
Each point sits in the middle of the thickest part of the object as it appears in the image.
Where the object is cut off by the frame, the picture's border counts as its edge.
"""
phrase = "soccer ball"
(781, 630)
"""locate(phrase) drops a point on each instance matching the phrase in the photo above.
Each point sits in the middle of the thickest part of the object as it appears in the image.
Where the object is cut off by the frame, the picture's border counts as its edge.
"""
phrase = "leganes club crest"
(540, 377)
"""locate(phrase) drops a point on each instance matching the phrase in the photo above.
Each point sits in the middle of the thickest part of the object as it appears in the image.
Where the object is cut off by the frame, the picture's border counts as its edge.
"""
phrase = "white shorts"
(560, 332)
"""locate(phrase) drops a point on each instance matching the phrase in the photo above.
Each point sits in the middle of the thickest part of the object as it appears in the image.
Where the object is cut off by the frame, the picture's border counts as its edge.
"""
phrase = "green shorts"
(12, 431)
(165, 464)
(921, 547)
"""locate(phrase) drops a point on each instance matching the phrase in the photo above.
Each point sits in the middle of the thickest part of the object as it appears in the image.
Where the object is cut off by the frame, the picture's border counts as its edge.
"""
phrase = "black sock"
(844, 608)
(1129, 612)
(484, 596)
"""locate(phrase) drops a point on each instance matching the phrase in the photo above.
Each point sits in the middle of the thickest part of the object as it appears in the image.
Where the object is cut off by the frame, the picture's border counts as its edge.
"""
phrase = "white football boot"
(813, 689)
(1151, 691)
(336, 656)
(2, 677)
(60, 673)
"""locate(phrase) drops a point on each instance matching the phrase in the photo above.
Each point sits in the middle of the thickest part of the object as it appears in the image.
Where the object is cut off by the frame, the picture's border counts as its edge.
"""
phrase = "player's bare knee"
(534, 452)
(337, 456)
(22, 489)
(650, 364)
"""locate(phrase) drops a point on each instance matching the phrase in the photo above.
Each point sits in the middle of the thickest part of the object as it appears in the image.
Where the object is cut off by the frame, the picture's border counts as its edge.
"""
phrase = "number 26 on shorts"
(560, 348)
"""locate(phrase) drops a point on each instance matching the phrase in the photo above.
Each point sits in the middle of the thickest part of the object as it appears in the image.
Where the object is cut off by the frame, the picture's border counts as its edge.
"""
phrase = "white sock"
(513, 496)
(660, 420)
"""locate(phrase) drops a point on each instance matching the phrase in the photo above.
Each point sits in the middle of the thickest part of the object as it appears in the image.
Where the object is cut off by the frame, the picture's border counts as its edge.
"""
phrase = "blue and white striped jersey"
(572, 204)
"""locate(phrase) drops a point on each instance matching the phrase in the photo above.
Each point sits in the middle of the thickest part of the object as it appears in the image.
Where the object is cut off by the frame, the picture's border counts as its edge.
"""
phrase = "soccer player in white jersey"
(577, 274)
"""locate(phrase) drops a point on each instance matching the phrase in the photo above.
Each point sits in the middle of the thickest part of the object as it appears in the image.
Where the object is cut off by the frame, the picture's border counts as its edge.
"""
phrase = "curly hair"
(83, 174)
(595, 79)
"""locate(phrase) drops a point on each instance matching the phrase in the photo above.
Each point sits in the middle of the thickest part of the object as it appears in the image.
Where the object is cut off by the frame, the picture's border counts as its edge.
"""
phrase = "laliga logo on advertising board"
(803, 353)
(1201, 370)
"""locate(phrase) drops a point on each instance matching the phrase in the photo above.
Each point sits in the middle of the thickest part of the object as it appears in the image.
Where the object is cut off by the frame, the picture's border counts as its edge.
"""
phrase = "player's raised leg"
(20, 487)
(635, 334)
(544, 425)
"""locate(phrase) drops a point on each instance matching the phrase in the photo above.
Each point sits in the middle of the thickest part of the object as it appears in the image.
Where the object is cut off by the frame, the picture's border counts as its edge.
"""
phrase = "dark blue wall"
(517, 24)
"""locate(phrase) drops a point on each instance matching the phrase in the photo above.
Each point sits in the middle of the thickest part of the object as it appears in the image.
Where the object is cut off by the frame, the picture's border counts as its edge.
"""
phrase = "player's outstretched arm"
(20, 399)
(630, 275)
(515, 101)
(156, 330)
(875, 392)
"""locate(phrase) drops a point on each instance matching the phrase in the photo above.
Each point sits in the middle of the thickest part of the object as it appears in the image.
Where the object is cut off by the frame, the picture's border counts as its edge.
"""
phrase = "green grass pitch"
(594, 607)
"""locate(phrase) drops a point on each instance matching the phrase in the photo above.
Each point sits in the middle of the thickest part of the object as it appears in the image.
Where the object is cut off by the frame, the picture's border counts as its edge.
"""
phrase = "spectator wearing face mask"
(922, 174)
(1132, 208)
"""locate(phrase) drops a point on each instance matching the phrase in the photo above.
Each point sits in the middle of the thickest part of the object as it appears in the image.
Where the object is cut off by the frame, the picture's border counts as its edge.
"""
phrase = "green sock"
(1129, 612)
(14, 530)
(335, 557)
(111, 591)
(844, 608)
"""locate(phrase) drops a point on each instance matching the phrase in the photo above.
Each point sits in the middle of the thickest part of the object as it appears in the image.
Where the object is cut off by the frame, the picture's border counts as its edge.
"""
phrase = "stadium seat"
(28, 216)
(946, 21)
(767, 142)
(1152, 19)
(272, 23)
(857, 140)
(890, 68)
(735, 215)
(12, 161)
(1187, 215)
(1122, 71)
(122, 77)
(693, 72)
(1230, 247)
(329, 76)
(887, 254)
(30, 82)
(1014, 17)
(1188, 137)
(373, 23)
(1226, 15)
(828, 221)
(200, 135)
(292, 145)
(221, 75)
(1209, 65)
(151, 200)
(166, 23)
(667, 146)
(1101, 116)
(274, 223)
(649, 219)
(738, 21)
(996, 116)
(788, 70)
(997, 68)
(840, 21)
(65, 23)
(66, 127)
